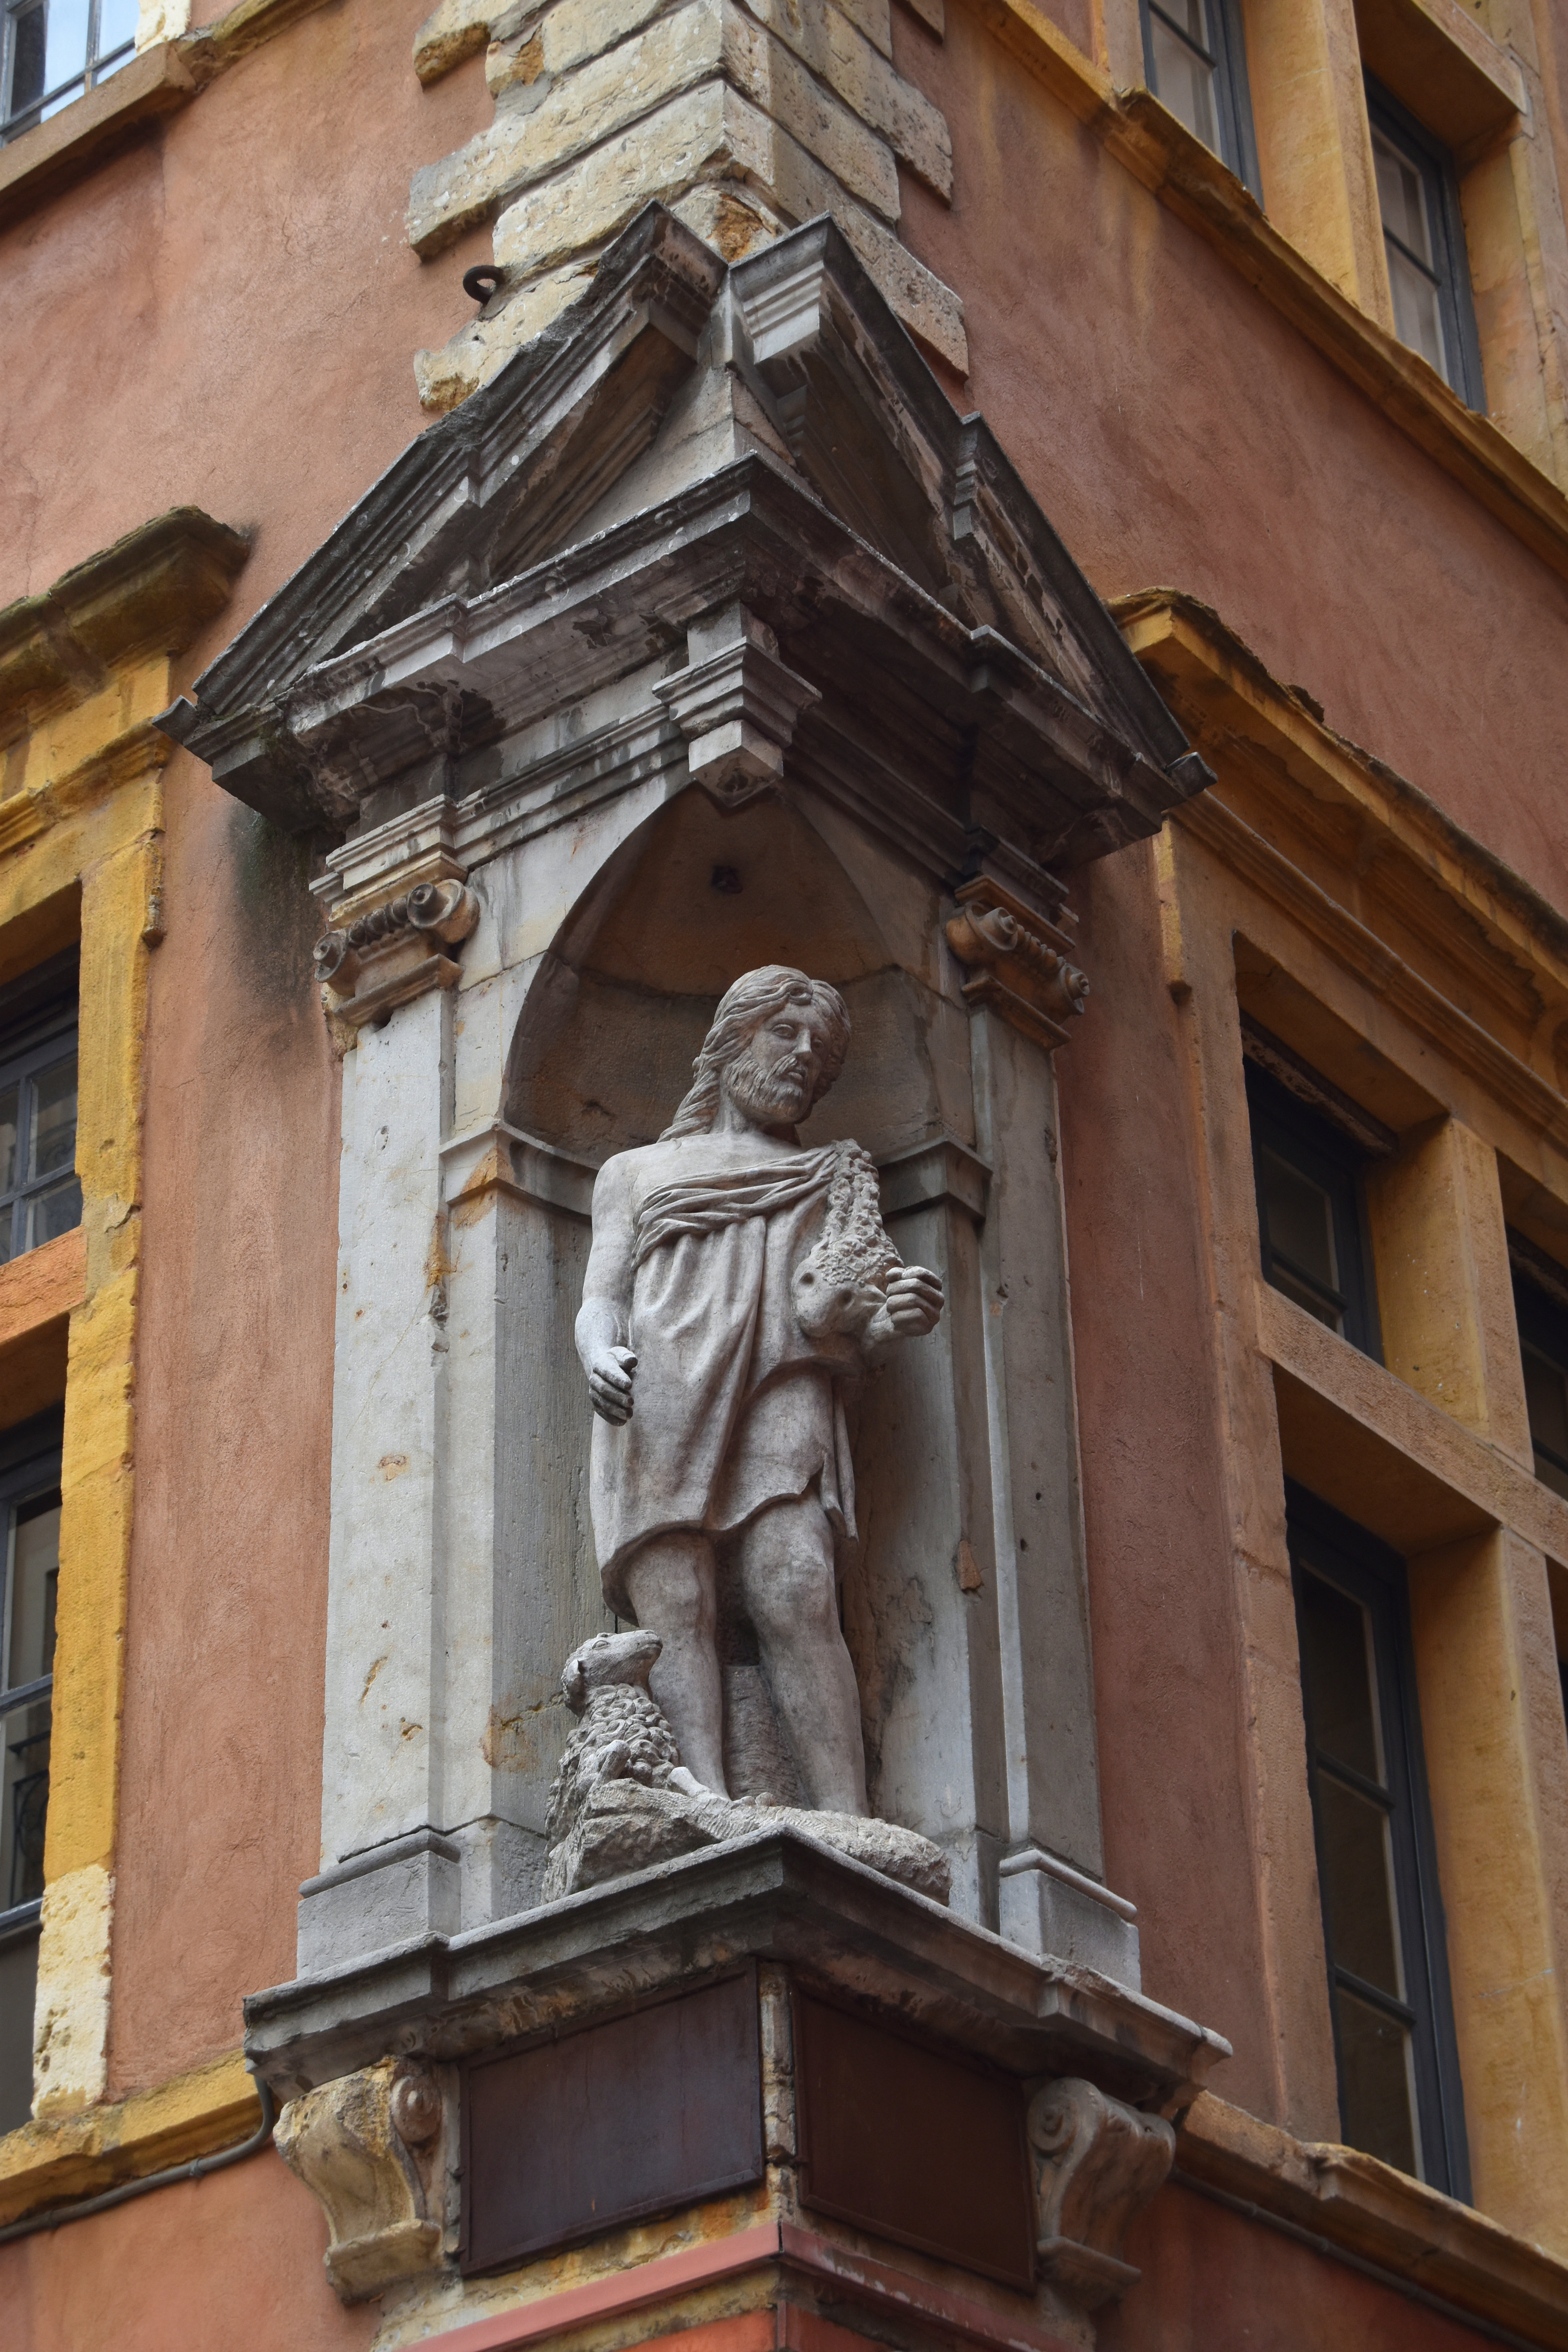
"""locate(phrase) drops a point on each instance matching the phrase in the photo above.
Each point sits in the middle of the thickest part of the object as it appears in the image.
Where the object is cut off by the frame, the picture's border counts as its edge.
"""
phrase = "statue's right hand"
(610, 1383)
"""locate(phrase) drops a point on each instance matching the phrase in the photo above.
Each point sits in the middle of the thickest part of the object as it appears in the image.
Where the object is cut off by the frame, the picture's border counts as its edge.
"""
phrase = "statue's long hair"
(755, 997)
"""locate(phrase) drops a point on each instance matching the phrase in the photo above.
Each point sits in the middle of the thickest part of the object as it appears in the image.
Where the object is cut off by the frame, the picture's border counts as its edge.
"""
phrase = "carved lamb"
(623, 1800)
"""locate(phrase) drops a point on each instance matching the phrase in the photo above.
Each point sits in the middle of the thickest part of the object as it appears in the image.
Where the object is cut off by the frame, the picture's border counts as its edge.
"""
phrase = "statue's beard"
(772, 1097)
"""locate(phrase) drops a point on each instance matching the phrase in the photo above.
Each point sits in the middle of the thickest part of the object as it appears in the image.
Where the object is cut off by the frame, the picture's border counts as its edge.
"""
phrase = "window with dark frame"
(1196, 62)
(40, 1196)
(1423, 239)
(1307, 1167)
(29, 1571)
(1541, 1311)
(53, 51)
(1397, 2060)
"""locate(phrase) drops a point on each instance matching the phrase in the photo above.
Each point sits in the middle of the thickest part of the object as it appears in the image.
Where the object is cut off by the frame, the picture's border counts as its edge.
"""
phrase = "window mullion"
(1375, 1997)
(1184, 37)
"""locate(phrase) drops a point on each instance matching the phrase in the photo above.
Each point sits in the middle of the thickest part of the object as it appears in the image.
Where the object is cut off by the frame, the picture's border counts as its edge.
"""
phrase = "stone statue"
(736, 1281)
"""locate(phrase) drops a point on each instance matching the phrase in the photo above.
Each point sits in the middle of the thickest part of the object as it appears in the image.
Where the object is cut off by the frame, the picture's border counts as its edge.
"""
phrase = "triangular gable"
(614, 441)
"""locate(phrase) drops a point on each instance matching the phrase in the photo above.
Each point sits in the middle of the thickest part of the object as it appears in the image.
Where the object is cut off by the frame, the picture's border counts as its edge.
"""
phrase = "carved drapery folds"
(395, 950)
(1018, 961)
(371, 2149)
(1095, 2163)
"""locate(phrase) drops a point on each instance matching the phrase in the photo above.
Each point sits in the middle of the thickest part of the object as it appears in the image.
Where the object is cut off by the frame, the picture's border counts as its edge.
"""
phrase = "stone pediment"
(691, 441)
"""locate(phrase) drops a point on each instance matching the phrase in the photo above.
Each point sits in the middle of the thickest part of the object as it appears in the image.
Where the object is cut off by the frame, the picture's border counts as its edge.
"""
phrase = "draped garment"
(734, 1407)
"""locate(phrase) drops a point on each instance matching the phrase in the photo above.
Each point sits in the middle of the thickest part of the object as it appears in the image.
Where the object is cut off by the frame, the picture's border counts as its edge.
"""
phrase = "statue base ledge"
(775, 1896)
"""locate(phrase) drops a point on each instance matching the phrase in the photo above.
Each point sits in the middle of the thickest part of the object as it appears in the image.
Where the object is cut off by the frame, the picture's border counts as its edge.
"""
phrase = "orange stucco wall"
(232, 2261)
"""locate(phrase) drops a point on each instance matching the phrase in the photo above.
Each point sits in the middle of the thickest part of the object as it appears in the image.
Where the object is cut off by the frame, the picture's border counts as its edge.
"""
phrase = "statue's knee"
(671, 1594)
(793, 1598)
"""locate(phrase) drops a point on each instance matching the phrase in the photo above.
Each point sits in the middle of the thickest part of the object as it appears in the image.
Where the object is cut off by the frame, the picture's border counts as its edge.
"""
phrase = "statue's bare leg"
(670, 1580)
(783, 1560)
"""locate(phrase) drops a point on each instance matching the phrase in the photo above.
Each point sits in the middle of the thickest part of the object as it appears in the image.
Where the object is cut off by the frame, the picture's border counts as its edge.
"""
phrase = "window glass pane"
(55, 1210)
(1546, 1396)
(1402, 196)
(54, 1117)
(27, 1799)
(33, 1571)
(1358, 1884)
(1413, 260)
(1300, 1220)
(1337, 1669)
(67, 41)
(1418, 314)
(18, 1986)
(1182, 80)
(116, 25)
(7, 1221)
(1377, 2083)
(7, 1138)
(35, 1574)
(28, 61)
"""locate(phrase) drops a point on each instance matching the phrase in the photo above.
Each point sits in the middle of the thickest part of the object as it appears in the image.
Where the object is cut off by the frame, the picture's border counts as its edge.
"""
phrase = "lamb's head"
(604, 1659)
(838, 1286)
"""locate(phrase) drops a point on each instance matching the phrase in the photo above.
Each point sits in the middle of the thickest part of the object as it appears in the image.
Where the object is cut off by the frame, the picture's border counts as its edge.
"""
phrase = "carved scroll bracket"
(737, 705)
(394, 950)
(372, 2148)
(1097, 2162)
(1018, 961)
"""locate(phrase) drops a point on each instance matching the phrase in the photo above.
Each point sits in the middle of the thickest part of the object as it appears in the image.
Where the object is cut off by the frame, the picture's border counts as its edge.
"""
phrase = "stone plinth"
(821, 2089)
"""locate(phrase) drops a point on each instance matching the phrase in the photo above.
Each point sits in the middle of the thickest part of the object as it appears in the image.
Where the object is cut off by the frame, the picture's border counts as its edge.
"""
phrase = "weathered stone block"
(543, 123)
(710, 135)
(446, 375)
(774, 78)
(451, 32)
(838, 51)
(576, 29)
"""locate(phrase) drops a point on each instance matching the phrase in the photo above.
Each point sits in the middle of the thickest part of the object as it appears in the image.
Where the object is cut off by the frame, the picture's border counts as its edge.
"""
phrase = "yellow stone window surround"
(1334, 902)
(1479, 89)
(84, 669)
(1514, 460)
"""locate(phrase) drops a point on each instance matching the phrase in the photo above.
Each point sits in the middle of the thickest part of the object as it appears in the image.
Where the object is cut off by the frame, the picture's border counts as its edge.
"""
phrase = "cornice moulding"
(193, 2115)
(1232, 705)
(1354, 2201)
(149, 592)
(903, 630)
(776, 1894)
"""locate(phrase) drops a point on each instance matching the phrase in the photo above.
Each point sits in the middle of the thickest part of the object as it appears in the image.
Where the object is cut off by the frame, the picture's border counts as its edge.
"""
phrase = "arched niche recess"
(616, 1014)
(600, 1057)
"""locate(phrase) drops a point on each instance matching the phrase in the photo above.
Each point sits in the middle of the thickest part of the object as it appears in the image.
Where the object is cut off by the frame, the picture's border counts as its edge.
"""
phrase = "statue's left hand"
(914, 1301)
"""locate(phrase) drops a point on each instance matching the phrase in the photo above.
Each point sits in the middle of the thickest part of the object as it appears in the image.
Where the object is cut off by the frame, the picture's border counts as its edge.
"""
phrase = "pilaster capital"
(394, 950)
(1018, 961)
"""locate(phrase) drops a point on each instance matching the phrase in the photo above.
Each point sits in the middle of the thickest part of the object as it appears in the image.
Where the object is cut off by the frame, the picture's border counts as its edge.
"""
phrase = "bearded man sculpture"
(736, 1280)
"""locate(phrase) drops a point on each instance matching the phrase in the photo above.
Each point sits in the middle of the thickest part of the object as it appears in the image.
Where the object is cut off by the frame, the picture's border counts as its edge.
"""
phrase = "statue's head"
(777, 1042)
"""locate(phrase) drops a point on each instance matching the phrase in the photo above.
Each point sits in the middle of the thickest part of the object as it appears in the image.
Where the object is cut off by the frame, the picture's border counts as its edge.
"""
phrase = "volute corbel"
(1095, 2163)
(371, 2149)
